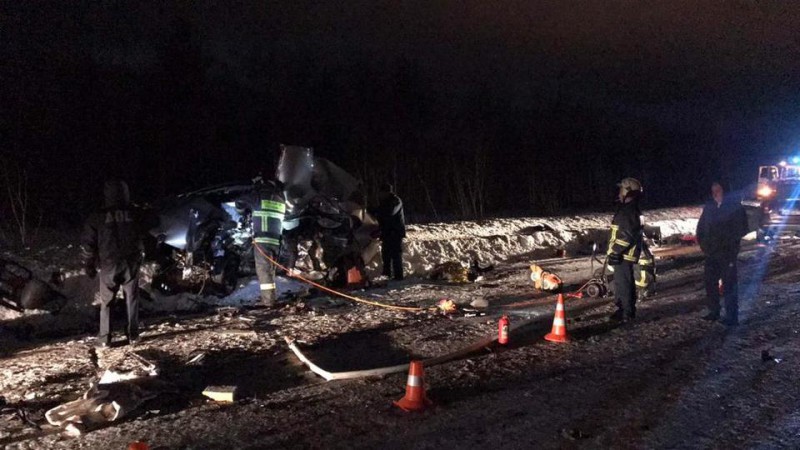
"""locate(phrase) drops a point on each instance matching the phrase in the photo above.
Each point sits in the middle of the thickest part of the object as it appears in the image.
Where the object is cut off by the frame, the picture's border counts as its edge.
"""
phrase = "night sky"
(471, 108)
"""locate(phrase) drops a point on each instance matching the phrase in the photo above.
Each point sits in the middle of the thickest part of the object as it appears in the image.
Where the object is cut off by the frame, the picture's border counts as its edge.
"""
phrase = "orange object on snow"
(559, 332)
(544, 280)
(354, 277)
(415, 398)
(447, 306)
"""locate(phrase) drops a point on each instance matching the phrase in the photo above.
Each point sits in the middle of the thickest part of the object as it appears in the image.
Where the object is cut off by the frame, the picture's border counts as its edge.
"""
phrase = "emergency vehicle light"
(764, 191)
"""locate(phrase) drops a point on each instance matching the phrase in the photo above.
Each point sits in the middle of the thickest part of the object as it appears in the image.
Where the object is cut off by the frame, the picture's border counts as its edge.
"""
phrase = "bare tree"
(467, 184)
(16, 184)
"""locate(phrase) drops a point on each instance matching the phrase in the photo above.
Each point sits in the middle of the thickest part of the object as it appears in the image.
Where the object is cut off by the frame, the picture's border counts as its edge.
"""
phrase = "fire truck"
(774, 210)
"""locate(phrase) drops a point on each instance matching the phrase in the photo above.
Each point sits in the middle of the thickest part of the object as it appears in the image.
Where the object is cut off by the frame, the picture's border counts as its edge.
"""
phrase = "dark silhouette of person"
(392, 223)
(111, 246)
(720, 229)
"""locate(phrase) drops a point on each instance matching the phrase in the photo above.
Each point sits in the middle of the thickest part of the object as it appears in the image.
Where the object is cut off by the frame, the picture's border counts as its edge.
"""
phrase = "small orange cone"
(559, 332)
(138, 445)
(415, 398)
(354, 277)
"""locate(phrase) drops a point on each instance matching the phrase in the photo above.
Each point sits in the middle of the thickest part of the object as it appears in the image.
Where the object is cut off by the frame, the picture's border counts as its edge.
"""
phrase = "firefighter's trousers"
(266, 274)
(625, 289)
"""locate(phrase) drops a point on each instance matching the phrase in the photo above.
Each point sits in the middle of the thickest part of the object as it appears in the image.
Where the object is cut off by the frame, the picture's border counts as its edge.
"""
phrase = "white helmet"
(628, 186)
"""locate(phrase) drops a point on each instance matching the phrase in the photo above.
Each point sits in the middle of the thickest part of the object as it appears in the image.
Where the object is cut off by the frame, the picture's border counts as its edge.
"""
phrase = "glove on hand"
(614, 259)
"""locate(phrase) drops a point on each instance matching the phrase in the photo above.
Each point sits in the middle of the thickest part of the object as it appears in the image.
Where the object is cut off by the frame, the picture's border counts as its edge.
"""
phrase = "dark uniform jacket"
(625, 242)
(391, 219)
(112, 236)
(721, 228)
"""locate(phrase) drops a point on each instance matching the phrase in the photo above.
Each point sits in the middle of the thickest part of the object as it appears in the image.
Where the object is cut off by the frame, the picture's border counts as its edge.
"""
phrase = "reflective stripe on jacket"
(626, 232)
(268, 217)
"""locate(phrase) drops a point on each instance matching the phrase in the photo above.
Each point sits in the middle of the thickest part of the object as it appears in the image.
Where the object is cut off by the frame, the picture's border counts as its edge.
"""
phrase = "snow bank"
(496, 240)
(510, 240)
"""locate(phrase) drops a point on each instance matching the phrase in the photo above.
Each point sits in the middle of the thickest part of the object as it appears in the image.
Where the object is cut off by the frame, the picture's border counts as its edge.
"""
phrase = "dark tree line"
(178, 117)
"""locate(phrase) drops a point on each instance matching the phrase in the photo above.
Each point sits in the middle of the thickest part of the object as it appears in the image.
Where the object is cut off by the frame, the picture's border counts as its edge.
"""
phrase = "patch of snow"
(503, 240)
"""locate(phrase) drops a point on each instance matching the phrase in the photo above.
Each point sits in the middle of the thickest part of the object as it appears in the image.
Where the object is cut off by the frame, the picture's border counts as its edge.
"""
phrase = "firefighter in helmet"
(268, 213)
(625, 248)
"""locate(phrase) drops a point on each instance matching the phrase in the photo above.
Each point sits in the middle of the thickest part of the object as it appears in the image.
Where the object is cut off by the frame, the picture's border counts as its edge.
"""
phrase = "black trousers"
(392, 254)
(111, 280)
(625, 289)
(722, 267)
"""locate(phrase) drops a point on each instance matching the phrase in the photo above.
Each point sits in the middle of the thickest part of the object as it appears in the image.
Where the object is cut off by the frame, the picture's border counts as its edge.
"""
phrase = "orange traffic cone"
(354, 277)
(559, 332)
(415, 398)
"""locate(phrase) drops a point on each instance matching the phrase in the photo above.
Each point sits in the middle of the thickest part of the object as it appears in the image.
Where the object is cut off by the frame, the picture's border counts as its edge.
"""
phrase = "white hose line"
(329, 376)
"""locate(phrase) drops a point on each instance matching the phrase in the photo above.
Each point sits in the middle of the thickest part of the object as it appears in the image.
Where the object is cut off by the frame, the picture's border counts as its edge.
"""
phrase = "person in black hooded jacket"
(720, 229)
(111, 245)
(392, 223)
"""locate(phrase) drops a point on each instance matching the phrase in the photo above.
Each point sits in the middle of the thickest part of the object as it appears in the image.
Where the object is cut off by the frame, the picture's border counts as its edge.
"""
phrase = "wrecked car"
(203, 240)
(20, 290)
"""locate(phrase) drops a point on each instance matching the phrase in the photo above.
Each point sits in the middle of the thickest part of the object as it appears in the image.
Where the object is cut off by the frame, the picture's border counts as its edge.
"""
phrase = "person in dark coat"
(392, 223)
(111, 246)
(720, 229)
(625, 247)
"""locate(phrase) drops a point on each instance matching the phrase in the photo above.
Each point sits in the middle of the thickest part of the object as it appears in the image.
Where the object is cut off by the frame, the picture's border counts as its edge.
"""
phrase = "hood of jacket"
(115, 194)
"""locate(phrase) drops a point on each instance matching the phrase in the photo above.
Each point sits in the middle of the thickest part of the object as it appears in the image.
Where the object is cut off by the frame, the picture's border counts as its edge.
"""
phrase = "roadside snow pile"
(497, 240)
(510, 240)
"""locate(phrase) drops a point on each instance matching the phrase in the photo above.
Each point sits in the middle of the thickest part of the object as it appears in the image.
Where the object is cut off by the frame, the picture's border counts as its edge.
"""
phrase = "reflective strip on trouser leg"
(414, 380)
(267, 286)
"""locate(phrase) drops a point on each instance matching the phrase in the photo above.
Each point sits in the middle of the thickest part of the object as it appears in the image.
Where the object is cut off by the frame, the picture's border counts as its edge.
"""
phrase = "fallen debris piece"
(479, 303)
(447, 306)
(119, 392)
(458, 272)
(74, 429)
(104, 403)
(450, 271)
(196, 360)
(544, 280)
(573, 434)
(226, 394)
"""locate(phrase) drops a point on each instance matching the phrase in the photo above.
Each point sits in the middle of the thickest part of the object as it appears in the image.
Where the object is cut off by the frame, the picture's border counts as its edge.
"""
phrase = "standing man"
(268, 214)
(392, 223)
(625, 247)
(720, 229)
(112, 244)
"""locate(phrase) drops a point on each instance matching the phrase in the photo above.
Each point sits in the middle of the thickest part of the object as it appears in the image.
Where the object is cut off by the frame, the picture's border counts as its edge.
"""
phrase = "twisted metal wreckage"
(204, 238)
(202, 241)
